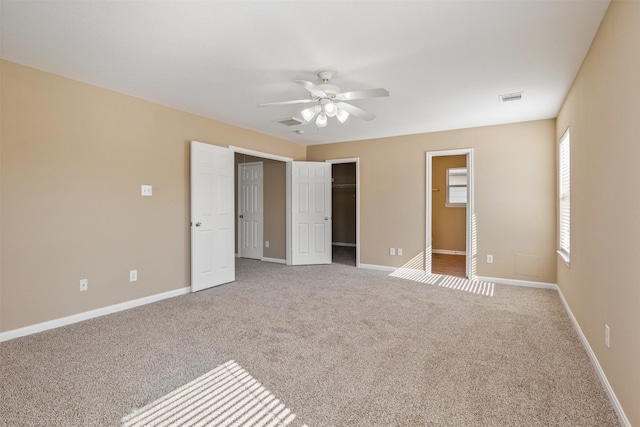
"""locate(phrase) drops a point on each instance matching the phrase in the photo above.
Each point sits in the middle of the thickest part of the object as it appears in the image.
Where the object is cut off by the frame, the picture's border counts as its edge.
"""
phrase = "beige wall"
(73, 159)
(601, 286)
(273, 206)
(449, 224)
(343, 203)
(514, 194)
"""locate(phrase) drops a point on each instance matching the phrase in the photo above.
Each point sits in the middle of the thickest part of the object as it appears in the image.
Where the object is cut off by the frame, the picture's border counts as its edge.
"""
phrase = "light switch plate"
(146, 190)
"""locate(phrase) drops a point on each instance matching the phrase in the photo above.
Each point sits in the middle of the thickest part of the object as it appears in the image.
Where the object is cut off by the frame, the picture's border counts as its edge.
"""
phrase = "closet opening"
(345, 211)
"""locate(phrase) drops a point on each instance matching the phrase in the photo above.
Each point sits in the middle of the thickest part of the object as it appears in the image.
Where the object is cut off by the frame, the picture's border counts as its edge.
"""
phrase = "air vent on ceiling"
(511, 97)
(290, 121)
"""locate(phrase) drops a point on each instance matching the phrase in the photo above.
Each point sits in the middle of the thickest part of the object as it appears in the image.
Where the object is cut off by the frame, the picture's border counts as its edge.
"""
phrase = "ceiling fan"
(330, 102)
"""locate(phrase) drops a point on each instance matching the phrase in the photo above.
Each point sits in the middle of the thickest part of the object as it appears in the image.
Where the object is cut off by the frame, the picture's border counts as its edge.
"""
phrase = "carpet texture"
(337, 345)
(226, 396)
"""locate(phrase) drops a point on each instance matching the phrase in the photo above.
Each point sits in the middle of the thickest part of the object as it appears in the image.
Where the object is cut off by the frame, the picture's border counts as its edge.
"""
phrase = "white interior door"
(310, 186)
(212, 216)
(250, 213)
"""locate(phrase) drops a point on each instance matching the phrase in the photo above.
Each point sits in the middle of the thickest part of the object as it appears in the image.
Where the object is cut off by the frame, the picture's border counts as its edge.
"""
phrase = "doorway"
(345, 190)
(448, 215)
(214, 216)
(449, 202)
(294, 211)
(260, 238)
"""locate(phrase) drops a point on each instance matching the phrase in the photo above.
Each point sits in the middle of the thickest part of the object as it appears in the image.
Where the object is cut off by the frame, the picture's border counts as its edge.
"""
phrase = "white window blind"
(457, 186)
(564, 181)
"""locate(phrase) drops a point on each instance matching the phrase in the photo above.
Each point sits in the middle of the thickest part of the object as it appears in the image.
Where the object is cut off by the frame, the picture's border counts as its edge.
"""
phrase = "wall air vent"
(511, 97)
(289, 121)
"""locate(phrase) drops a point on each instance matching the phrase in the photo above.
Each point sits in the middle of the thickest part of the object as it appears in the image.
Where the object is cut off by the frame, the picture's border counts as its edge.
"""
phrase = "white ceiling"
(444, 62)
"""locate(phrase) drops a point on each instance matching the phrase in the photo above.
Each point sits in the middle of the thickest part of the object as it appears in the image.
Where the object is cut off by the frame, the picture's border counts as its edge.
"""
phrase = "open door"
(212, 216)
(310, 212)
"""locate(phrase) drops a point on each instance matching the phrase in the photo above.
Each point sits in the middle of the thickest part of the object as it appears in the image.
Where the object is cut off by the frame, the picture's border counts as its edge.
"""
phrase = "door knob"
(326, 218)
(198, 224)
(241, 216)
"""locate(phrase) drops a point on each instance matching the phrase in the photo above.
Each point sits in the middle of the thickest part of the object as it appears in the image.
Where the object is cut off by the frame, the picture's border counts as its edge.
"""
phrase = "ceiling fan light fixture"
(342, 115)
(321, 121)
(329, 101)
(329, 107)
(309, 113)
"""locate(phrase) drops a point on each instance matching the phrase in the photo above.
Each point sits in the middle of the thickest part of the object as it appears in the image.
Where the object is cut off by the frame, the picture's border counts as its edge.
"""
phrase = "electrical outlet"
(266, 243)
(399, 251)
(607, 336)
(84, 284)
(133, 275)
(489, 259)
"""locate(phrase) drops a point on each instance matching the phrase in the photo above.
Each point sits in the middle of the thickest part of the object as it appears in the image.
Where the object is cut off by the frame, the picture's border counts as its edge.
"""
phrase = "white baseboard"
(275, 260)
(400, 270)
(499, 280)
(514, 282)
(348, 245)
(378, 267)
(594, 360)
(448, 252)
(407, 272)
(63, 321)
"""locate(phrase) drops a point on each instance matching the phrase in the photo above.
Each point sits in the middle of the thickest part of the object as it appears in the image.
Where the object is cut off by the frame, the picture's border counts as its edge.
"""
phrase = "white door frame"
(254, 153)
(241, 207)
(471, 248)
(355, 160)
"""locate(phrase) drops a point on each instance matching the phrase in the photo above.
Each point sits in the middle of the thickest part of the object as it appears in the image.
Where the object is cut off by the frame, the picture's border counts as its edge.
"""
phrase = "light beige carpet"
(226, 396)
(337, 345)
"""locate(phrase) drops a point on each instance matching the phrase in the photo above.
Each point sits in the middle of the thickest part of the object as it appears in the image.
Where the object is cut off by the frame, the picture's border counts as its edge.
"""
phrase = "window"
(457, 187)
(564, 191)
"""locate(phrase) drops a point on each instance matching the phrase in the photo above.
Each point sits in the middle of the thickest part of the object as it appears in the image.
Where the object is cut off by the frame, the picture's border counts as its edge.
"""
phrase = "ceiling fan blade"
(313, 88)
(359, 94)
(356, 111)
(297, 101)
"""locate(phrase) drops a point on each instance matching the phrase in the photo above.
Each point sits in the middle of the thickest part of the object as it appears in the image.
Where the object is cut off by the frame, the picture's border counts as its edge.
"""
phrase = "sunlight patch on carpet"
(225, 396)
(412, 271)
(451, 282)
